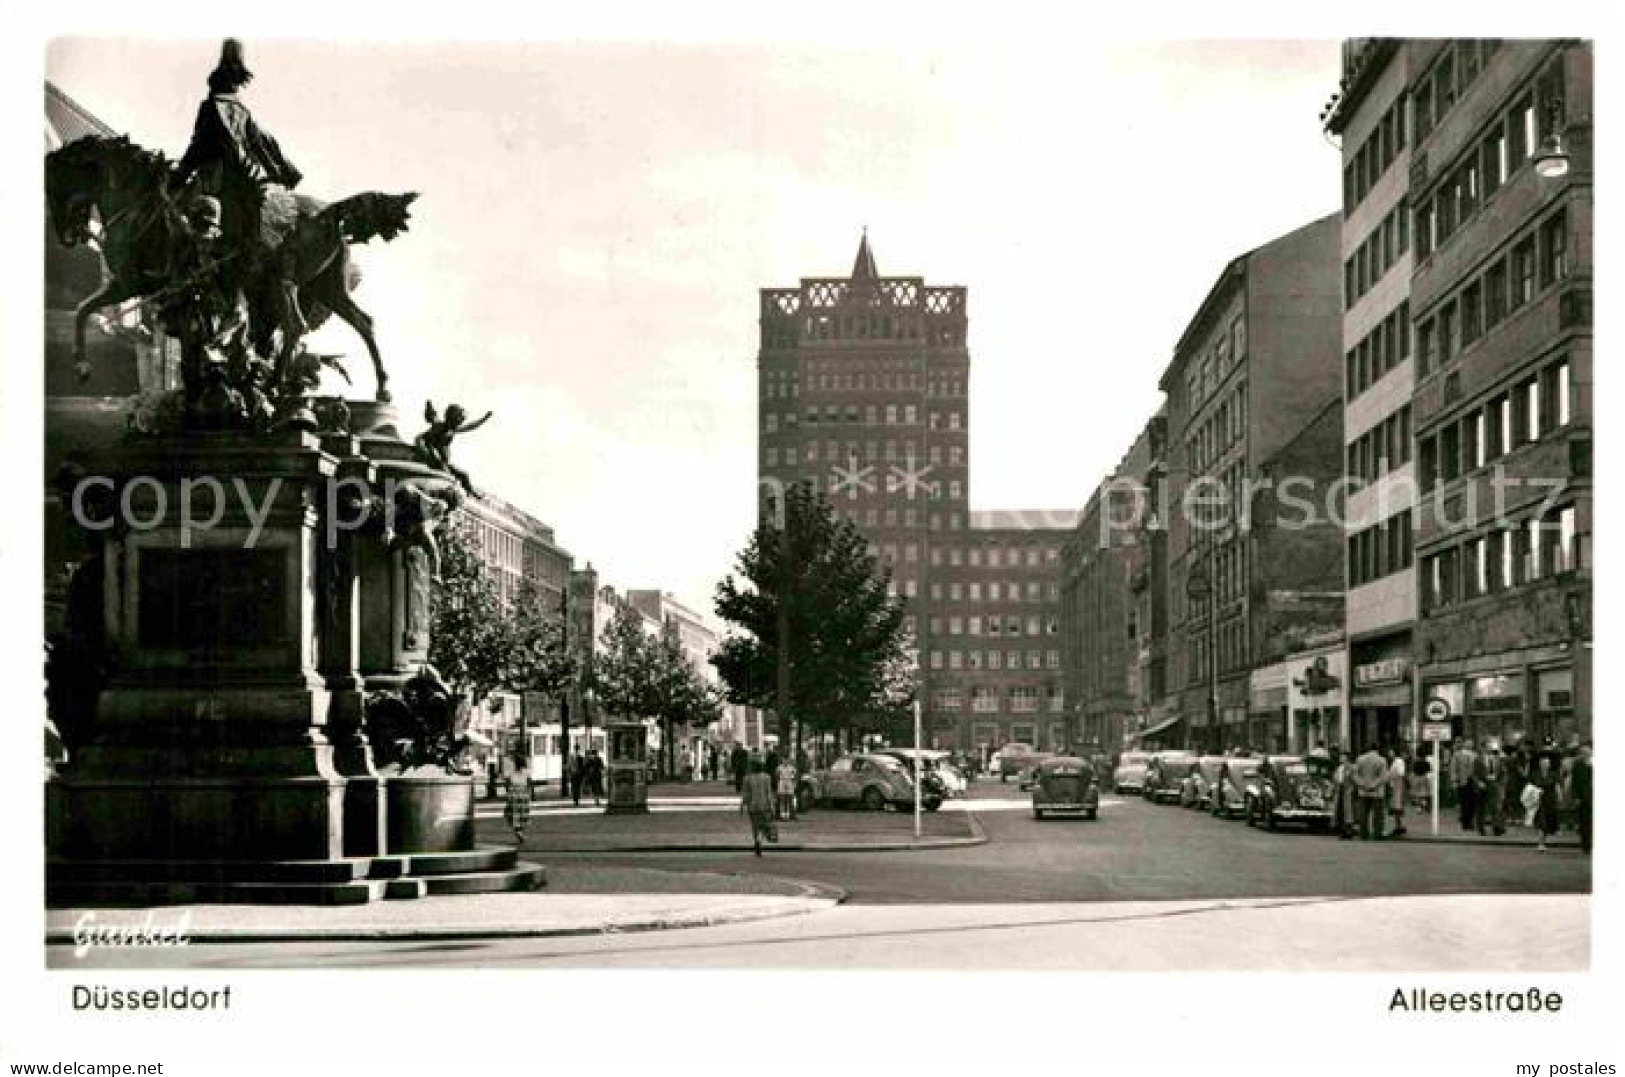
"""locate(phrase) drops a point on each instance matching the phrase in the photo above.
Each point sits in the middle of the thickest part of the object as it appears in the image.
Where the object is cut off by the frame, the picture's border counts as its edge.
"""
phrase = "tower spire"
(863, 267)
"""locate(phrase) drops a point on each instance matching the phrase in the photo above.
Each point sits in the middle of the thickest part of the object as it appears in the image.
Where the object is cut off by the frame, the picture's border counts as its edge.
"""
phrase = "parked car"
(1197, 789)
(937, 763)
(1129, 774)
(870, 781)
(1064, 784)
(1236, 777)
(1164, 774)
(1014, 758)
(1294, 790)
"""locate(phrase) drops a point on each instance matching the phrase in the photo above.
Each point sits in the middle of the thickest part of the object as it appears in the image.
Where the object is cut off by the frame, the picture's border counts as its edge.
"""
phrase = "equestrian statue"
(235, 265)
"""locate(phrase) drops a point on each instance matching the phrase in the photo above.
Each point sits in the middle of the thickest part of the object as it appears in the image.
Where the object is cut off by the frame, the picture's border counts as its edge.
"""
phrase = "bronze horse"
(144, 230)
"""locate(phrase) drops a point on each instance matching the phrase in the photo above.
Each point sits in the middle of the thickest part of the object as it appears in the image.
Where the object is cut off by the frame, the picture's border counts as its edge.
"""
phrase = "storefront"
(1382, 710)
(1316, 693)
(1511, 705)
(1267, 709)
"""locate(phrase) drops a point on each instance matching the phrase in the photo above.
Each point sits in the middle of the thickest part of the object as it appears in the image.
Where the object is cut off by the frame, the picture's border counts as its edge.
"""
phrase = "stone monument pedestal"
(245, 616)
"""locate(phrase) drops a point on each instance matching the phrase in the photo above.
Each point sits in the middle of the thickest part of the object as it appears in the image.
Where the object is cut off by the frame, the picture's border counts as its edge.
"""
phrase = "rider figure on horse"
(240, 163)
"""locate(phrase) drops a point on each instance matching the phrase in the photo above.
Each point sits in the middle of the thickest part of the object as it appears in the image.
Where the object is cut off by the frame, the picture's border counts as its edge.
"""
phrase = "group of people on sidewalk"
(1491, 785)
(1375, 790)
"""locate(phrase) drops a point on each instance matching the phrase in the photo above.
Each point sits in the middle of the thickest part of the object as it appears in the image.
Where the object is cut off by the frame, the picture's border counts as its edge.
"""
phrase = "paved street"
(1145, 887)
(1139, 851)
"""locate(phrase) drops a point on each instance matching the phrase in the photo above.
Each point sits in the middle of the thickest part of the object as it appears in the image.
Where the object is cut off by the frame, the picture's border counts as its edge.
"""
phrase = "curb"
(979, 837)
(815, 897)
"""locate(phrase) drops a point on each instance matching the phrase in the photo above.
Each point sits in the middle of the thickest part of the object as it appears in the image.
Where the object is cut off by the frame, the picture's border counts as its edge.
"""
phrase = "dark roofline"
(1356, 84)
(1234, 270)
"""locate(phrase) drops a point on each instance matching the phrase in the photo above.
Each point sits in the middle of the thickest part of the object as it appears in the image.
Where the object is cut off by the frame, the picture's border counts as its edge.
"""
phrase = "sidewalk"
(578, 900)
(1420, 828)
(719, 827)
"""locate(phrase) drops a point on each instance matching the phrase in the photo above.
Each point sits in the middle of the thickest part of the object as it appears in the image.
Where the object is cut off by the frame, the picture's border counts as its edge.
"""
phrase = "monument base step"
(351, 881)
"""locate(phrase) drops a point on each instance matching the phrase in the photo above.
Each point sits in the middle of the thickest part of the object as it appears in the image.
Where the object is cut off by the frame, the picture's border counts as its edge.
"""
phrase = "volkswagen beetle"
(1238, 774)
(1294, 790)
(1064, 784)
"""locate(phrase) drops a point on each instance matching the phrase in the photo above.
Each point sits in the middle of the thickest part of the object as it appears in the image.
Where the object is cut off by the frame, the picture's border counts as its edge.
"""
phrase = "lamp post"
(1552, 159)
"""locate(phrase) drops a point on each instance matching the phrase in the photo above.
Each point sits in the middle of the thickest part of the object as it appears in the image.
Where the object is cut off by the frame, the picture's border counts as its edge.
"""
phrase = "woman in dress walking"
(756, 801)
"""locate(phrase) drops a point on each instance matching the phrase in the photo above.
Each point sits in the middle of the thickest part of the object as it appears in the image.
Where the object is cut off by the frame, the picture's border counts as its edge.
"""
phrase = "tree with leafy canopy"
(643, 676)
(480, 643)
(846, 632)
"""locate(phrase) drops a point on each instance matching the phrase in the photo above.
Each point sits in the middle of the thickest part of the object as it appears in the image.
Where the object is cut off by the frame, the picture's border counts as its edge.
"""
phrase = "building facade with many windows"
(1501, 303)
(1255, 372)
(863, 392)
(1372, 118)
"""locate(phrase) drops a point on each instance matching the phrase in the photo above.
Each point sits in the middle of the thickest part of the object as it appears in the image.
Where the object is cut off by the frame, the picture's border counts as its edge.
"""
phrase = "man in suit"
(1370, 788)
(1462, 764)
(1489, 781)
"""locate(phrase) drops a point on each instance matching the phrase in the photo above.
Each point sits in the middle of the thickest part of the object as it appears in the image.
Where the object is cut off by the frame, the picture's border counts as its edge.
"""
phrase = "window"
(1492, 160)
(1447, 333)
(1472, 313)
(1495, 294)
(1535, 550)
(1523, 273)
(1426, 347)
(1554, 249)
(1521, 132)
(1532, 413)
(1449, 452)
(1555, 394)
(1564, 553)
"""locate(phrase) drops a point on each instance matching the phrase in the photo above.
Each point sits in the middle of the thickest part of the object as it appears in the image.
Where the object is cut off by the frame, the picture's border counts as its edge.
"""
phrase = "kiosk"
(628, 767)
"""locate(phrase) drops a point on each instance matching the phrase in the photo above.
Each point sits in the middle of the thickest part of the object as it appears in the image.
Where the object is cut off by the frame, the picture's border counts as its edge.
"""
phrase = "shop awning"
(1160, 727)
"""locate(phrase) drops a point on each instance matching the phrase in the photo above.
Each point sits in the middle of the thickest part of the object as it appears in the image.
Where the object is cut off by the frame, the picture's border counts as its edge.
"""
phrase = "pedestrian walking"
(1489, 789)
(1370, 790)
(739, 762)
(594, 775)
(575, 774)
(517, 811)
(786, 778)
(1463, 767)
(1544, 778)
(1398, 792)
(756, 801)
(772, 762)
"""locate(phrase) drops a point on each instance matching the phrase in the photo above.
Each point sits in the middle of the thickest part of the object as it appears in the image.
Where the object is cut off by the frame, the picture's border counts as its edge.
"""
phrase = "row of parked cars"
(1267, 791)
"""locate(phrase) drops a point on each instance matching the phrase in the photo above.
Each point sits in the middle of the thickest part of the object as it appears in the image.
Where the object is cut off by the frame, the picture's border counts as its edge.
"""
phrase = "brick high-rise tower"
(863, 393)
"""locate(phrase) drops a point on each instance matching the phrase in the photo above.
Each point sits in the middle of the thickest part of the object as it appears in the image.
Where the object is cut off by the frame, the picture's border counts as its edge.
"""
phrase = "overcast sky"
(595, 221)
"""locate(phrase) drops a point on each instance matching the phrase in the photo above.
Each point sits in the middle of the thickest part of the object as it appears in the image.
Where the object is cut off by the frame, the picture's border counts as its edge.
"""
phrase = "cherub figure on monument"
(223, 249)
(433, 446)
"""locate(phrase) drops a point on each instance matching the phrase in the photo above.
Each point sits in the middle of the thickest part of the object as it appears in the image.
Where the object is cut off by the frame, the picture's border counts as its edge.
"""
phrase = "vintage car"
(1064, 784)
(1293, 790)
(937, 764)
(1236, 777)
(1129, 774)
(1196, 791)
(1164, 774)
(1014, 758)
(870, 781)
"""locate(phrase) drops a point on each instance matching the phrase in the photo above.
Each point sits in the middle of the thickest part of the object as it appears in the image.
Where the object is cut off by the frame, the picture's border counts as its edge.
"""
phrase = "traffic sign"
(1435, 731)
(1436, 710)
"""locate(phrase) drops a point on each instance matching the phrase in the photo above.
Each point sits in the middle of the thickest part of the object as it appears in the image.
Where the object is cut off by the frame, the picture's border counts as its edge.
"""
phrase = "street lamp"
(1552, 159)
(778, 513)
